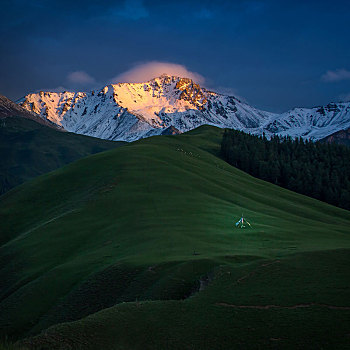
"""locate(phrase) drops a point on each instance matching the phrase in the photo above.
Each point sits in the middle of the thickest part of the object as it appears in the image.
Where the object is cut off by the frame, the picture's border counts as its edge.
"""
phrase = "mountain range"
(136, 247)
(170, 105)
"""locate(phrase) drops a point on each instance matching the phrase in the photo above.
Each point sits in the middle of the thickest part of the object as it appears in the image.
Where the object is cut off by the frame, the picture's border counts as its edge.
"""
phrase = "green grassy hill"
(135, 248)
(29, 149)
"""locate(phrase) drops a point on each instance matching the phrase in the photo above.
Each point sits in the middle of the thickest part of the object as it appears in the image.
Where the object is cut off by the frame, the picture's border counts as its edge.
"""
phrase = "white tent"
(243, 223)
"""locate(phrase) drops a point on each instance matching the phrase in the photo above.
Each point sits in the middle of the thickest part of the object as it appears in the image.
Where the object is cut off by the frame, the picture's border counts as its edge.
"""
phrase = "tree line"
(319, 170)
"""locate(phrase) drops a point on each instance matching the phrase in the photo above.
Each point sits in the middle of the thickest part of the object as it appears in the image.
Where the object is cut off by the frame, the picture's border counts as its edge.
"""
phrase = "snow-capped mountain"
(169, 104)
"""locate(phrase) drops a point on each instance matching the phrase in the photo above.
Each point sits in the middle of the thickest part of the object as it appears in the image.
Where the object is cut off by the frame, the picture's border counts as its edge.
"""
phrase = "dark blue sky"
(274, 54)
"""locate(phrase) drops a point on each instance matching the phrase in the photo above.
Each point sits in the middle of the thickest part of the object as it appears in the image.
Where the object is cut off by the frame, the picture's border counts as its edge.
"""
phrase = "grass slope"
(135, 248)
(29, 149)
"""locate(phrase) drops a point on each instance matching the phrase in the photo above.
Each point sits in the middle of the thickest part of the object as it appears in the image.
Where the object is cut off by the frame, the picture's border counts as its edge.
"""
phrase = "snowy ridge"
(130, 111)
(314, 123)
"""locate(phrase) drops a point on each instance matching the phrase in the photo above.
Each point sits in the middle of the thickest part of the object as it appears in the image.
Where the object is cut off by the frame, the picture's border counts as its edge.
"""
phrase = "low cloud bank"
(146, 71)
(336, 75)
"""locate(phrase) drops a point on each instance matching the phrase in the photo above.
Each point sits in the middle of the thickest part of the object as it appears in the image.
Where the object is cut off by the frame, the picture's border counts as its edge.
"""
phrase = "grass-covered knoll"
(29, 149)
(135, 248)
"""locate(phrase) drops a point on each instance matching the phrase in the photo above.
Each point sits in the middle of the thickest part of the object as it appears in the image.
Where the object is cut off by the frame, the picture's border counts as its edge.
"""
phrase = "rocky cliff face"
(130, 111)
(9, 108)
(341, 137)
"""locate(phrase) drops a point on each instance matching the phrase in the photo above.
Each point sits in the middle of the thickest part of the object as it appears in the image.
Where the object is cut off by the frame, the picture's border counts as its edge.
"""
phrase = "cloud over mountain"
(81, 78)
(145, 71)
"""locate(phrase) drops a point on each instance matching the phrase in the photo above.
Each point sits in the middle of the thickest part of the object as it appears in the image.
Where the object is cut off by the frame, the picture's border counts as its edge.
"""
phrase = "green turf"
(135, 248)
(29, 149)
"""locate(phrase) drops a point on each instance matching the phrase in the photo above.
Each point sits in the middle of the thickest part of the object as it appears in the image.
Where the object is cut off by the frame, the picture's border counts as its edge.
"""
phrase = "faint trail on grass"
(291, 307)
(250, 274)
(273, 306)
(38, 226)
